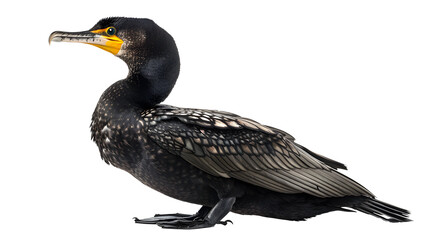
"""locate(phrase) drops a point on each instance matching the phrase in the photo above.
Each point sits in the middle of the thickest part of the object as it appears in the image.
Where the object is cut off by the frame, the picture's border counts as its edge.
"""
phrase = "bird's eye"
(111, 31)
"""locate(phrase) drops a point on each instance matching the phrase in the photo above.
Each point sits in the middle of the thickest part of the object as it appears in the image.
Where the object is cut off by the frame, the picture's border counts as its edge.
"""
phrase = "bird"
(216, 159)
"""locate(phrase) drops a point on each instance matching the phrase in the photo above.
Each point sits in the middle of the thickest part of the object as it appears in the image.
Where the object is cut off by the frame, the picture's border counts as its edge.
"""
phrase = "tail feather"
(383, 210)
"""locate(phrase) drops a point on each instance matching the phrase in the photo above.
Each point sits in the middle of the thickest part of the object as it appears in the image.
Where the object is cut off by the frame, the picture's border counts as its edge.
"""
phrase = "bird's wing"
(226, 145)
(332, 163)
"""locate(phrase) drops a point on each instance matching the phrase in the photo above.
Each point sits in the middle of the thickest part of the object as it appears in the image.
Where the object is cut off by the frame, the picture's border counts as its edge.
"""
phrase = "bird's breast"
(119, 137)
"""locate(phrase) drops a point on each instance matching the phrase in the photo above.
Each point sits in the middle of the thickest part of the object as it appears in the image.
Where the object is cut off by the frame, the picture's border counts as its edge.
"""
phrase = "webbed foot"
(190, 224)
(205, 217)
(165, 217)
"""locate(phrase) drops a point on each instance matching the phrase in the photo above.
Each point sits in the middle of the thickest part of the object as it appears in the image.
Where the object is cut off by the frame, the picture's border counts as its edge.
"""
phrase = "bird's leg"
(213, 217)
(204, 210)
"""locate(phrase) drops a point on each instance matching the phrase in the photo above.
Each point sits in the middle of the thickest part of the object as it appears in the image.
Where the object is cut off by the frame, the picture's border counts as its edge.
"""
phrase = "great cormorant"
(216, 159)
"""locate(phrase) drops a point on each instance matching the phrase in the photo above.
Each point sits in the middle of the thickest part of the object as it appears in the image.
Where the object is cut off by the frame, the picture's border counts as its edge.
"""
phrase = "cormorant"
(216, 159)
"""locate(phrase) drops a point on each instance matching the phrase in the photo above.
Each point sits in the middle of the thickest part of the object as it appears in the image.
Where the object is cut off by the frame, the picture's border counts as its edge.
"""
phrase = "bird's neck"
(151, 81)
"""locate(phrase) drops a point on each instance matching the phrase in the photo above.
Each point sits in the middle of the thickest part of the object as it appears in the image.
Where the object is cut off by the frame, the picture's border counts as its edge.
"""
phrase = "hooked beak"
(98, 38)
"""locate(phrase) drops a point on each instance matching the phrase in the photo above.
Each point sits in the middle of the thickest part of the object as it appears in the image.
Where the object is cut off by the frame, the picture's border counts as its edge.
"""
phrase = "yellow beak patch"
(107, 41)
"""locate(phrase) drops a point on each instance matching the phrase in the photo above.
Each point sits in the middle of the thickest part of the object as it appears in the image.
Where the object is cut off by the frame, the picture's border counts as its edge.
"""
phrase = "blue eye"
(111, 31)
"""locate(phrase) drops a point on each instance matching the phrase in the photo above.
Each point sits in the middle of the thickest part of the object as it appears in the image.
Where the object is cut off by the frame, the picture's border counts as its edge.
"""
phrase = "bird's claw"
(225, 222)
(179, 222)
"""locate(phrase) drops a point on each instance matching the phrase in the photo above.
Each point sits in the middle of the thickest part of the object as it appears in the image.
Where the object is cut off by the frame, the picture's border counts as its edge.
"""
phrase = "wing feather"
(226, 145)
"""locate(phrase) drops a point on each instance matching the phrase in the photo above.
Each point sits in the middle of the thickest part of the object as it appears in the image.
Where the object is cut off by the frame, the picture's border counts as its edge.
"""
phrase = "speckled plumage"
(229, 146)
(216, 159)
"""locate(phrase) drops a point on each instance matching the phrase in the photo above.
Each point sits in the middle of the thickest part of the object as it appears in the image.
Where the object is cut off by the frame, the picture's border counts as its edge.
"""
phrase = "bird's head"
(148, 50)
(131, 39)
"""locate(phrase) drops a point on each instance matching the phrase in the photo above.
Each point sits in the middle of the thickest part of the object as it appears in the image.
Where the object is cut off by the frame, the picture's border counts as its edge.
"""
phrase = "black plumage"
(216, 159)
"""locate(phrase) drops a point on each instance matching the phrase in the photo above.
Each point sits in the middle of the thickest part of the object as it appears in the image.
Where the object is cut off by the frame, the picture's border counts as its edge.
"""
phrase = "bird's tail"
(383, 210)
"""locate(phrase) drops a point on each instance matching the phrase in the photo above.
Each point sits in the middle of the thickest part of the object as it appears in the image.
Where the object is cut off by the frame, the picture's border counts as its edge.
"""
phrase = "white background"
(348, 79)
